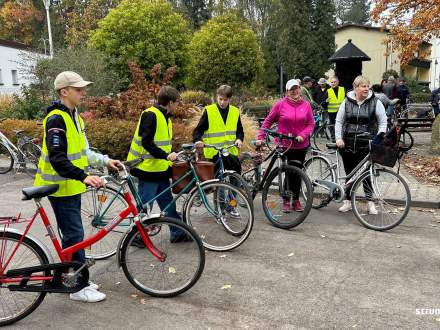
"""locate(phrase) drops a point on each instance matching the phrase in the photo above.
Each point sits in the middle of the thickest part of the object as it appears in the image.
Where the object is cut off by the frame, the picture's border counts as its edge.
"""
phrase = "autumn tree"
(410, 22)
(19, 20)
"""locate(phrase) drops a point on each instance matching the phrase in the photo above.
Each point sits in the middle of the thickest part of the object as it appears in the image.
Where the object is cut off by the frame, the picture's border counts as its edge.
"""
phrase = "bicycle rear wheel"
(32, 153)
(406, 141)
(98, 208)
(221, 214)
(275, 195)
(15, 305)
(321, 137)
(391, 197)
(319, 168)
(249, 173)
(183, 265)
(6, 159)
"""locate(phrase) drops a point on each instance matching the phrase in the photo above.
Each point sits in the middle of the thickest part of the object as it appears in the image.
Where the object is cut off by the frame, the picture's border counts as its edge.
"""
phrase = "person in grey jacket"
(360, 114)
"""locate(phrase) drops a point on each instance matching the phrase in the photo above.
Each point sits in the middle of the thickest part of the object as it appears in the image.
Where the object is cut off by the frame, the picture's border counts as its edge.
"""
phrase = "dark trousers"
(351, 160)
(332, 121)
(296, 158)
(68, 215)
(149, 189)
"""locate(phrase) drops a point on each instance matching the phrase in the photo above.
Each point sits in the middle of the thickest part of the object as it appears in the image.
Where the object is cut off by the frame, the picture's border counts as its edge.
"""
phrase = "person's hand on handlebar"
(299, 139)
(340, 143)
(172, 156)
(258, 143)
(114, 164)
(199, 144)
(239, 143)
(94, 181)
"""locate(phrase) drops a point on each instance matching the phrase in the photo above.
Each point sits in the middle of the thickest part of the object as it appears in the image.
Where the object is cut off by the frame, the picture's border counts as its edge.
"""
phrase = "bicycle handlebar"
(219, 148)
(280, 135)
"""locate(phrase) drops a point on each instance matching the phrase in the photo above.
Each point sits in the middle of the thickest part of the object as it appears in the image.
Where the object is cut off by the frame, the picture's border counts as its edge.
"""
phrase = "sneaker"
(345, 207)
(296, 206)
(88, 294)
(233, 212)
(372, 208)
(287, 208)
(94, 286)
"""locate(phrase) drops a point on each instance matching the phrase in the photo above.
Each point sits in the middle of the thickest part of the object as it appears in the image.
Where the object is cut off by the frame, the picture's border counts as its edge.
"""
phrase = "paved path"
(328, 273)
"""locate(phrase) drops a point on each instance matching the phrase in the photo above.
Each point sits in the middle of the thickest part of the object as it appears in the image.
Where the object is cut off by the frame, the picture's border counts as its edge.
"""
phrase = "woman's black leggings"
(351, 160)
(294, 181)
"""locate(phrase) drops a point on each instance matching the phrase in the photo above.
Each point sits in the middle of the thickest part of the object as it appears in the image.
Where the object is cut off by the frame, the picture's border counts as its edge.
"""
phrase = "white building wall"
(9, 61)
(435, 69)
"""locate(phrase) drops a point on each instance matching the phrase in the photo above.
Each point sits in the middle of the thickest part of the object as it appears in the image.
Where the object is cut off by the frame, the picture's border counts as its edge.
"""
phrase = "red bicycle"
(28, 271)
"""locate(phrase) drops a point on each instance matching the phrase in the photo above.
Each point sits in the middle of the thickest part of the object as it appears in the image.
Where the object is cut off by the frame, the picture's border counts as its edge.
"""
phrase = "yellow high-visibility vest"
(333, 101)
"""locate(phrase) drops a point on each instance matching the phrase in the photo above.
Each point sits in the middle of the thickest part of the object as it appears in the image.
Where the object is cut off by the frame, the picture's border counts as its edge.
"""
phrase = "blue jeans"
(149, 189)
(68, 215)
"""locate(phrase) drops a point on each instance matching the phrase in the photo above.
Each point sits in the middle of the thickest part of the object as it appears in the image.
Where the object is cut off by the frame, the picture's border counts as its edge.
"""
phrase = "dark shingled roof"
(349, 52)
(13, 44)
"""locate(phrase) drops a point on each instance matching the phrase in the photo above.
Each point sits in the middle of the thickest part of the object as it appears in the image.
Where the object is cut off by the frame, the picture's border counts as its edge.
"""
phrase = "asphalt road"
(328, 273)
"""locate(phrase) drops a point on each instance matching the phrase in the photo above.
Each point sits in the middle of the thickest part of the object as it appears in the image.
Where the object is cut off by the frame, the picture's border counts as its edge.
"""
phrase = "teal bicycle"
(219, 212)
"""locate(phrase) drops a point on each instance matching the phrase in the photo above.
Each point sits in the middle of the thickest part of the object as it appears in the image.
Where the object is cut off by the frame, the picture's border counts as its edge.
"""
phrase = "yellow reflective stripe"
(139, 155)
(71, 157)
(220, 134)
(51, 177)
(162, 143)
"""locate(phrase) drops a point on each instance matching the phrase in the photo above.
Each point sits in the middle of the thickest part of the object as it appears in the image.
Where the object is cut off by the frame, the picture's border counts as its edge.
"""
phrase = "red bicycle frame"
(65, 255)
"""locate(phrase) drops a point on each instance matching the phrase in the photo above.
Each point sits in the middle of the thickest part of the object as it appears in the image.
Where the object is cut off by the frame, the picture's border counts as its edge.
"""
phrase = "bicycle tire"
(249, 174)
(32, 153)
(406, 141)
(174, 269)
(325, 172)
(39, 296)
(218, 231)
(321, 137)
(268, 205)
(93, 202)
(394, 195)
(6, 159)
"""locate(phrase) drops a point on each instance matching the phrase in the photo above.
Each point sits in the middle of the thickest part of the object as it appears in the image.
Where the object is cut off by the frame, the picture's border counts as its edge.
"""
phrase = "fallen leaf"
(143, 301)
(226, 286)
(291, 254)
(172, 270)
(398, 246)
(223, 256)
(323, 236)
(117, 283)
(134, 295)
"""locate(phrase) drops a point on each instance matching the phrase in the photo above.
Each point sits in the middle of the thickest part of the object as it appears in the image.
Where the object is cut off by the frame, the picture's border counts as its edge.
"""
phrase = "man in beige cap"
(64, 158)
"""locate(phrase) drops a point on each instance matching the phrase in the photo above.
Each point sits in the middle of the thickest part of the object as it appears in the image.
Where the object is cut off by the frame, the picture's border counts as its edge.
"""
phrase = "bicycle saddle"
(188, 146)
(18, 131)
(331, 146)
(39, 192)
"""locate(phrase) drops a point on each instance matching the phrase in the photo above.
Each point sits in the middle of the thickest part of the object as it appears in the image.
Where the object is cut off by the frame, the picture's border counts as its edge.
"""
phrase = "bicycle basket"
(384, 155)
(204, 170)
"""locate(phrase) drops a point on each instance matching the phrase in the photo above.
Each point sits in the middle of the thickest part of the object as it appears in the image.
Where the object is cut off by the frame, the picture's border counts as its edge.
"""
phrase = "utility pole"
(49, 30)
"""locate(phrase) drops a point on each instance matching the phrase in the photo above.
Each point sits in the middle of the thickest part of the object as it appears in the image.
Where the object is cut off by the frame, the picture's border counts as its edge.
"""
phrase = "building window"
(14, 78)
(1, 78)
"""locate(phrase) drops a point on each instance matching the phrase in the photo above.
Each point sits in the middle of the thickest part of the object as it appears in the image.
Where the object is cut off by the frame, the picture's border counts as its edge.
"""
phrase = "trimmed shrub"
(420, 97)
(196, 97)
(30, 127)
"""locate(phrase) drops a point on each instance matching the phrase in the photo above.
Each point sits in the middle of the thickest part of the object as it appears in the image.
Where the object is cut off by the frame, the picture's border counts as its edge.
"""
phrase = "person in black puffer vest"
(361, 113)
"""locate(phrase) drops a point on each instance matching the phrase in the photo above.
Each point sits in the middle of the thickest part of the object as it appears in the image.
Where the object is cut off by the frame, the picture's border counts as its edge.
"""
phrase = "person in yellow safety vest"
(64, 157)
(220, 125)
(335, 96)
(152, 141)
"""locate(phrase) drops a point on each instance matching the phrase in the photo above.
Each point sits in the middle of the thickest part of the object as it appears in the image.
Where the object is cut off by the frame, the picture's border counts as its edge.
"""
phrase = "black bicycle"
(280, 182)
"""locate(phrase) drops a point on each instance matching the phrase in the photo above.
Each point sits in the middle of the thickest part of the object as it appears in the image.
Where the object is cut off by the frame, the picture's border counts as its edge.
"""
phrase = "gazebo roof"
(349, 52)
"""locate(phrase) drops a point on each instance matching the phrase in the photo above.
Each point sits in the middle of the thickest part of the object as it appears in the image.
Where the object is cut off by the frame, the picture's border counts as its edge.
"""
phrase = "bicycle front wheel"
(284, 189)
(221, 214)
(319, 168)
(32, 153)
(6, 159)
(98, 208)
(179, 271)
(15, 305)
(321, 137)
(380, 201)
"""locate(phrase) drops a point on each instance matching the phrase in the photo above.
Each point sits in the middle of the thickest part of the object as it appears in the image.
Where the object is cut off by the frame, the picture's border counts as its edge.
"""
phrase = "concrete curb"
(425, 204)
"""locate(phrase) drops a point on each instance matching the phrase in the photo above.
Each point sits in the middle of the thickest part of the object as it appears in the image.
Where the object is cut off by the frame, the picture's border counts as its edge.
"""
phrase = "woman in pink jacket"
(295, 116)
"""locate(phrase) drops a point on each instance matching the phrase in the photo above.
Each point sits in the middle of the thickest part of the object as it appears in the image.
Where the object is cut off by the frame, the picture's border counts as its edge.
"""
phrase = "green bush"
(30, 127)
(420, 97)
(146, 32)
(195, 97)
(389, 73)
(27, 105)
(224, 51)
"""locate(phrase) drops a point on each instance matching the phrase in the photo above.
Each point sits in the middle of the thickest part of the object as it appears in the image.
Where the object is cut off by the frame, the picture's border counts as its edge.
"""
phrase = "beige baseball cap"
(70, 79)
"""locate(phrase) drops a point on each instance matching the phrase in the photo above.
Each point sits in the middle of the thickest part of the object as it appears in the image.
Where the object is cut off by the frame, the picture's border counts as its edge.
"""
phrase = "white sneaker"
(87, 294)
(372, 208)
(93, 286)
(345, 207)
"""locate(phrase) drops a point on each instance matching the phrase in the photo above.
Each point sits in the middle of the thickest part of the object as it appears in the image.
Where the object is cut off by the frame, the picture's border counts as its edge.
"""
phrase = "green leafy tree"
(196, 11)
(353, 11)
(147, 32)
(224, 51)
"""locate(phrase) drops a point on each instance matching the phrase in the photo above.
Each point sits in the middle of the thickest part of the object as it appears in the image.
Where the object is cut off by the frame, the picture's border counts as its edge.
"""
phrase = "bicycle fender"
(35, 240)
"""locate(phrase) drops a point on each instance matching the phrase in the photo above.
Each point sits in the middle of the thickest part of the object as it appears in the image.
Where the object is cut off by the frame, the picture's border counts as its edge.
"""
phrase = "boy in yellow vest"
(64, 157)
(220, 125)
(152, 141)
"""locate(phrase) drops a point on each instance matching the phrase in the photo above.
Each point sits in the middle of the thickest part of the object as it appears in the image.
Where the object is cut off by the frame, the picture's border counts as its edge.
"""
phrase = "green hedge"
(420, 97)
